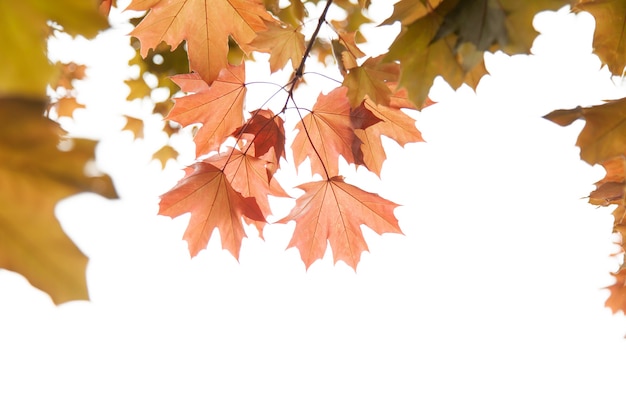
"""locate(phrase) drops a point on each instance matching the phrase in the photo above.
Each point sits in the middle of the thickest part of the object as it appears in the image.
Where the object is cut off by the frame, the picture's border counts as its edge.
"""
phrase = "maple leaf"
(206, 193)
(370, 79)
(325, 134)
(218, 107)
(267, 134)
(448, 38)
(284, 43)
(206, 26)
(333, 211)
(422, 60)
(35, 174)
(609, 37)
(251, 177)
(602, 138)
(393, 123)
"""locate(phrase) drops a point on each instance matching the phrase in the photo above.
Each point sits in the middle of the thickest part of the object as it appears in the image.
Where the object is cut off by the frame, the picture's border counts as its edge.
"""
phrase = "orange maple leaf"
(206, 193)
(218, 107)
(249, 176)
(394, 123)
(325, 134)
(333, 211)
(204, 24)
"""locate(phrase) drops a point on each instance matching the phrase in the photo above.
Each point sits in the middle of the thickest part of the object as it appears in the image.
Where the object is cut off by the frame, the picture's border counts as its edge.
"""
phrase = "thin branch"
(300, 70)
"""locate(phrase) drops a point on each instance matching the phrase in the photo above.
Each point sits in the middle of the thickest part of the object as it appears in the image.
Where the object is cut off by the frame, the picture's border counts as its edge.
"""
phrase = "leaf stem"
(297, 75)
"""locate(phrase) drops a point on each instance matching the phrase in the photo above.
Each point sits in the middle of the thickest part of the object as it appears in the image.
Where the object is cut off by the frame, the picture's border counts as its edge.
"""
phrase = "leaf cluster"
(198, 51)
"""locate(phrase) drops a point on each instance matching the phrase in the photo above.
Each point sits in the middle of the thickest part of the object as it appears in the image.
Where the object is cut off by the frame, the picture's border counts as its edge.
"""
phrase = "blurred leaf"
(24, 29)
(165, 154)
(38, 168)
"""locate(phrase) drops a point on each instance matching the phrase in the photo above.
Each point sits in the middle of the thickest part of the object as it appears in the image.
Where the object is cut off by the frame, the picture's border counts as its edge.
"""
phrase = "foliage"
(204, 46)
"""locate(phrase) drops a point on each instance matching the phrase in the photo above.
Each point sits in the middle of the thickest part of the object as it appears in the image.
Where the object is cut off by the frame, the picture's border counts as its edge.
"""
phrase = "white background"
(490, 305)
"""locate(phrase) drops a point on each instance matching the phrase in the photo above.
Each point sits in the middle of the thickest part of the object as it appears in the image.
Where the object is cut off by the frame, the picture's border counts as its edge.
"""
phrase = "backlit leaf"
(332, 211)
(284, 44)
(206, 26)
(219, 107)
(325, 134)
(206, 193)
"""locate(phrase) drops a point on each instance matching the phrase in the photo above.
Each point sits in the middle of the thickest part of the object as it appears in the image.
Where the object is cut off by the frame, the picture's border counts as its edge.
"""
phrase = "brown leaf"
(609, 38)
(617, 297)
(602, 138)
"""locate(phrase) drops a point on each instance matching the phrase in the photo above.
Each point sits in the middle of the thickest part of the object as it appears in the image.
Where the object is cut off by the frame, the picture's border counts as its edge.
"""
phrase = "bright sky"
(490, 305)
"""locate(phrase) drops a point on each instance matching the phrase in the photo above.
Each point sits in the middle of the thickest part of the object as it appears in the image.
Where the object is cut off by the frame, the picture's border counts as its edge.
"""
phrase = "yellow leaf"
(370, 80)
(165, 154)
(283, 44)
(37, 169)
(24, 29)
(135, 126)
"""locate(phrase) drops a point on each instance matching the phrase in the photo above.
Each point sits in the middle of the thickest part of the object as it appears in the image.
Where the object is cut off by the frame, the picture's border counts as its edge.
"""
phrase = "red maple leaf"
(264, 133)
(218, 107)
(206, 193)
(333, 211)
